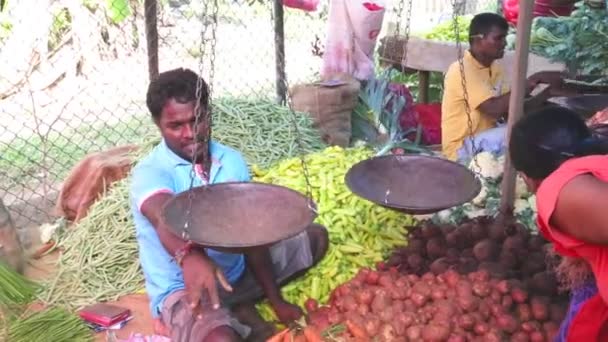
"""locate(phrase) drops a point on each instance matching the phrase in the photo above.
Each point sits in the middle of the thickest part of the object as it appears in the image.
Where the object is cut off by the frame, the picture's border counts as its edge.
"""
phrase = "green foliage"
(445, 31)
(118, 10)
(62, 22)
(579, 41)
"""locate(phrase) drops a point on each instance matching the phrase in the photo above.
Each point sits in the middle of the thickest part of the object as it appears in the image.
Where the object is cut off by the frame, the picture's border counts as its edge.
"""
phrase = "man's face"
(176, 124)
(493, 44)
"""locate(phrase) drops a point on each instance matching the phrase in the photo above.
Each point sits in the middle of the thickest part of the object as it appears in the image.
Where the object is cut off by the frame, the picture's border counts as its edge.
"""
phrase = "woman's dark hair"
(178, 84)
(482, 24)
(542, 141)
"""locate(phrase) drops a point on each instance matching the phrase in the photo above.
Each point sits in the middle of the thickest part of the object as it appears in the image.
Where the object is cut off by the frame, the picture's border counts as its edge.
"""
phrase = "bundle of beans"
(390, 306)
(509, 251)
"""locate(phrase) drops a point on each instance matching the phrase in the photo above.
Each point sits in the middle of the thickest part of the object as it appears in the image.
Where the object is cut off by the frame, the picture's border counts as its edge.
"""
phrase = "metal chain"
(294, 121)
(203, 113)
(408, 19)
(467, 108)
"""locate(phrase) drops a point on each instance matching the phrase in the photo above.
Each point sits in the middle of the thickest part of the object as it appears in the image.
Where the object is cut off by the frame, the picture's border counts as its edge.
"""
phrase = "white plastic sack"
(352, 32)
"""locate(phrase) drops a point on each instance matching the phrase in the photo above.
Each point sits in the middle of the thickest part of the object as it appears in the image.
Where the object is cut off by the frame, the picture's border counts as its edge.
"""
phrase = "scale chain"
(467, 108)
(297, 132)
(198, 111)
(408, 19)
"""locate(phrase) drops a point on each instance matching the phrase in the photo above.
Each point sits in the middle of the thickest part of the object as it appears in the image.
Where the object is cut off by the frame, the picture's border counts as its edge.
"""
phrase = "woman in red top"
(566, 165)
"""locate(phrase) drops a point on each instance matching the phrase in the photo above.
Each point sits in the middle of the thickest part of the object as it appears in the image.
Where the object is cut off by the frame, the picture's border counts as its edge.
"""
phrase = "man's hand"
(199, 276)
(555, 79)
(286, 312)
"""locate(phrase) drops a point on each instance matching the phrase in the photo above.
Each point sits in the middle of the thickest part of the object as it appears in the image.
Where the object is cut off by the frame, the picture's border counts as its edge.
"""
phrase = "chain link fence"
(73, 75)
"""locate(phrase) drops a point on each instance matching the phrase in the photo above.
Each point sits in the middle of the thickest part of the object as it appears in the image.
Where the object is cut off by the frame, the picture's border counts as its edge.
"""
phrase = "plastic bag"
(352, 31)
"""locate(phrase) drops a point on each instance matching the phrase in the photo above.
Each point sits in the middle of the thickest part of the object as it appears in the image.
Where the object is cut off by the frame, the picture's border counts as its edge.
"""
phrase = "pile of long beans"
(15, 289)
(52, 325)
(99, 259)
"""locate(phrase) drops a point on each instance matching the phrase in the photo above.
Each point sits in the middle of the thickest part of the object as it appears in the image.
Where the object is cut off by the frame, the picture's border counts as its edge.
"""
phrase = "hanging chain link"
(408, 18)
(467, 108)
(298, 135)
(200, 113)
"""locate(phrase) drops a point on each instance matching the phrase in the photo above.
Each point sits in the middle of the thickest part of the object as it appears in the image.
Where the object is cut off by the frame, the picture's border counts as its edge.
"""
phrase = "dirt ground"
(138, 303)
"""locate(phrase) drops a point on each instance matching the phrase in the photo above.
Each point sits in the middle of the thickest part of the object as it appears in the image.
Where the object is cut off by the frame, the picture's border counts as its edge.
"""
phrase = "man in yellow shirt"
(487, 89)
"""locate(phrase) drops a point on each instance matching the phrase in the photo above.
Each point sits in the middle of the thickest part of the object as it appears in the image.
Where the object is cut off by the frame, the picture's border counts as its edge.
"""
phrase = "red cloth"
(427, 115)
(591, 322)
(542, 8)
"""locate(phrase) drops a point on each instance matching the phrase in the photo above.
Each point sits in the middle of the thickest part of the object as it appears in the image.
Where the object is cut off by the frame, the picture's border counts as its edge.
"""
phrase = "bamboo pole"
(279, 46)
(516, 101)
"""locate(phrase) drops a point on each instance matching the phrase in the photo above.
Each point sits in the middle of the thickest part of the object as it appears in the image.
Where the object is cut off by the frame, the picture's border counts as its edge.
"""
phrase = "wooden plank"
(430, 55)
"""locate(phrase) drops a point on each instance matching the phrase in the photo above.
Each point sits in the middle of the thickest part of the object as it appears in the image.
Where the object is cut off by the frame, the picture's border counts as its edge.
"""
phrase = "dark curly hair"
(178, 84)
(482, 24)
(540, 142)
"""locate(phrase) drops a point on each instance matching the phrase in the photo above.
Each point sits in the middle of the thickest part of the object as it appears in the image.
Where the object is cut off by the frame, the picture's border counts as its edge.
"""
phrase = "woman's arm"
(582, 209)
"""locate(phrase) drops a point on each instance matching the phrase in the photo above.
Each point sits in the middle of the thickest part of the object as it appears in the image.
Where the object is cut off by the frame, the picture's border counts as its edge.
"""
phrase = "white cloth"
(352, 32)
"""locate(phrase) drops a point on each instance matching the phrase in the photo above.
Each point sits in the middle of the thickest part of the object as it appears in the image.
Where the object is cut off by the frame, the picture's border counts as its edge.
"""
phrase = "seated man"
(487, 89)
(180, 279)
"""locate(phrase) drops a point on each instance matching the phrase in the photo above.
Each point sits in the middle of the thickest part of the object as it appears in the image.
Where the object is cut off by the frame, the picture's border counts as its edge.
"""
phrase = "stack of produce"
(505, 251)
(361, 233)
(390, 306)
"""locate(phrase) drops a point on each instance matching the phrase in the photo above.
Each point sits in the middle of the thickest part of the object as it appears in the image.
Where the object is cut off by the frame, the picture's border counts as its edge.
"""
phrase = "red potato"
(506, 302)
(495, 297)
(540, 308)
(435, 333)
(493, 336)
(428, 277)
(481, 288)
(409, 305)
(350, 303)
(524, 312)
(334, 317)
(422, 287)
(468, 303)
(466, 322)
(385, 280)
(364, 296)
(464, 288)
(386, 315)
(398, 306)
(363, 310)
(457, 338)
(496, 309)
(481, 328)
(507, 323)
(419, 299)
(537, 336)
(520, 336)
(451, 278)
(412, 278)
(438, 294)
(401, 282)
(503, 287)
(372, 278)
(414, 333)
(519, 295)
(380, 302)
(372, 326)
(530, 326)
(484, 310)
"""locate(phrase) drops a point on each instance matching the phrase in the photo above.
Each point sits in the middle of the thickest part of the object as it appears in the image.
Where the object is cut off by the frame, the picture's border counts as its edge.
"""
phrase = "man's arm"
(152, 208)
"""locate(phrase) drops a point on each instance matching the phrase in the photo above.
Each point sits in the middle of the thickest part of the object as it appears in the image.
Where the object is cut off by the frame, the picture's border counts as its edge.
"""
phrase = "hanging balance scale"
(234, 216)
(417, 184)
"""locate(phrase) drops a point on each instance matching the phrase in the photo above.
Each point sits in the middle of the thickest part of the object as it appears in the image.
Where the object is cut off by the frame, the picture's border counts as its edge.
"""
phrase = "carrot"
(355, 330)
(312, 335)
(279, 337)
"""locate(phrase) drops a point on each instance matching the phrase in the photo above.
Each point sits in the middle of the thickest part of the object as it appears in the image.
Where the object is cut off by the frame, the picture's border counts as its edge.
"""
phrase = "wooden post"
(279, 48)
(516, 101)
(150, 17)
(423, 86)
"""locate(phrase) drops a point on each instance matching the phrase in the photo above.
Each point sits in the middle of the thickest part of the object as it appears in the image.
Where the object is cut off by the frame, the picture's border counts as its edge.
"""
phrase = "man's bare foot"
(286, 312)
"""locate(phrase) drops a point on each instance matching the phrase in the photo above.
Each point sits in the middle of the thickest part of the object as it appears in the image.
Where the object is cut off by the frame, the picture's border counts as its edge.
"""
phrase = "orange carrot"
(355, 330)
(279, 337)
(312, 335)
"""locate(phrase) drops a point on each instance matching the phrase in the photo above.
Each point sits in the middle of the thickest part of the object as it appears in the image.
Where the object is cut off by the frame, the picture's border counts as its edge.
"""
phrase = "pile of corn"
(361, 233)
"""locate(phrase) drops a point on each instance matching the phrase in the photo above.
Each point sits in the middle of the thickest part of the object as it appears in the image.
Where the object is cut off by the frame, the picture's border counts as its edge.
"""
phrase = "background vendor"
(487, 89)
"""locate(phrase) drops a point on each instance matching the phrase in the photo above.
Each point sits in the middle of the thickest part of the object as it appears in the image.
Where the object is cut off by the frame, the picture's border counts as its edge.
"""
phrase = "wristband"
(181, 253)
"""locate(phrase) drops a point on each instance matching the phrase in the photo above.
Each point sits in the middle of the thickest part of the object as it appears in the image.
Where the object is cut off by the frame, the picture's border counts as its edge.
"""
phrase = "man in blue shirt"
(181, 278)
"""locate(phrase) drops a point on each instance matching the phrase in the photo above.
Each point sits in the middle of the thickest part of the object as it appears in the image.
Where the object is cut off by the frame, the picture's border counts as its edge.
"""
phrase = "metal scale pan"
(413, 184)
(235, 216)
(585, 105)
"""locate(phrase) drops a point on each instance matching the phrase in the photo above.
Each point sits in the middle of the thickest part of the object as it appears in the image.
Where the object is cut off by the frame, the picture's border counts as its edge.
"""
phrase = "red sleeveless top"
(591, 322)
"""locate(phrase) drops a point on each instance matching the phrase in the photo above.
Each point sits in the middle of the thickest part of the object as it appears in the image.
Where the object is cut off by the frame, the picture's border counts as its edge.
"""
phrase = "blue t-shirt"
(164, 171)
